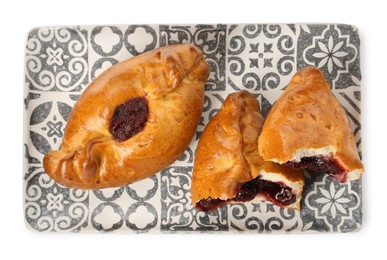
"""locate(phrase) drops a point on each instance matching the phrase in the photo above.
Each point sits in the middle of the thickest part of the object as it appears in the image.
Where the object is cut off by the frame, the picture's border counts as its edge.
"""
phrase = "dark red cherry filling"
(278, 193)
(129, 118)
(323, 164)
(210, 204)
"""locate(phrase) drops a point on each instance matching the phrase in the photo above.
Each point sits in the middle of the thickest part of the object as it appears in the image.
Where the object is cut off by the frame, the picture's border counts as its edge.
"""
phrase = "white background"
(17, 18)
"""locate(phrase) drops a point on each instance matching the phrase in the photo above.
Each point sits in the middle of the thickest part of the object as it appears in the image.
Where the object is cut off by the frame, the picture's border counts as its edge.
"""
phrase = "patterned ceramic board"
(61, 62)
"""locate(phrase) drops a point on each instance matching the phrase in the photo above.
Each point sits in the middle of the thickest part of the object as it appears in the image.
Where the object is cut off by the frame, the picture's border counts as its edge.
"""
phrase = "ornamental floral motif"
(47, 121)
(260, 58)
(49, 207)
(55, 202)
(263, 59)
(333, 202)
(331, 52)
(54, 128)
(55, 56)
(330, 55)
(56, 59)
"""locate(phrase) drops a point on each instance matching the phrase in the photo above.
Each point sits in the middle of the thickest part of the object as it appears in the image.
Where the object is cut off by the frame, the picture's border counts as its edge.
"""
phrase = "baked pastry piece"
(227, 166)
(133, 120)
(308, 128)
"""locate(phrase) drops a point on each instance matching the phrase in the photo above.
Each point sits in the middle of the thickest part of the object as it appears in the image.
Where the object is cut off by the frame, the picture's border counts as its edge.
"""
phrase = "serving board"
(60, 62)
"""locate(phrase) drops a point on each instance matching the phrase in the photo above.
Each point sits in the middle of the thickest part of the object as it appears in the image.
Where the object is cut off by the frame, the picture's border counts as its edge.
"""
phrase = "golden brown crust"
(172, 79)
(308, 117)
(227, 152)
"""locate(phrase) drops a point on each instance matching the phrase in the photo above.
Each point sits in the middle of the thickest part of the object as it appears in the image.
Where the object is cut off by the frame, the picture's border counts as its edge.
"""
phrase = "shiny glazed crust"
(172, 79)
(308, 120)
(227, 153)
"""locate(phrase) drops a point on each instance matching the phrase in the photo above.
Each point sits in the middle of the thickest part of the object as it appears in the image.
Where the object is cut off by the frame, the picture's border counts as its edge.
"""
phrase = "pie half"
(227, 166)
(307, 128)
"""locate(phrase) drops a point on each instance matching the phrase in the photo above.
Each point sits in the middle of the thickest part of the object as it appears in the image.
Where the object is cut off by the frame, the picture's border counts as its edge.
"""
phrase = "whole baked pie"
(133, 120)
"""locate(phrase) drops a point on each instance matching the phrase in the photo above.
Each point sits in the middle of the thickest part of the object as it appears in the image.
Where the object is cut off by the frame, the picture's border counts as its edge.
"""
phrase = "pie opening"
(129, 118)
(276, 192)
(324, 164)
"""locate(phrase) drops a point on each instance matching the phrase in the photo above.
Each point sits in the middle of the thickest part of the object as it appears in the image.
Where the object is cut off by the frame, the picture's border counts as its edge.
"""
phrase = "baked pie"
(307, 128)
(228, 167)
(133, 120)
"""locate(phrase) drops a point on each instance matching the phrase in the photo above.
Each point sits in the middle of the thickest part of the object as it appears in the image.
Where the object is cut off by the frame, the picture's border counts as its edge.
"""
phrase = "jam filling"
(277, 193)
(129, 118)
(322, 164)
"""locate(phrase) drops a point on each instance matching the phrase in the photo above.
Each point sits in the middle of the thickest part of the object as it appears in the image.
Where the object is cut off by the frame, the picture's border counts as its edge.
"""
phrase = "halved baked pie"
(228, 167)
(307, 128)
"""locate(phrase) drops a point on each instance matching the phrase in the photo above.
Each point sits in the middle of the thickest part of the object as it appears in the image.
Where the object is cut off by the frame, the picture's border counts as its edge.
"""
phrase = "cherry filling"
(210, 204)
(277, 193)
(322, 164)
(129, 118)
